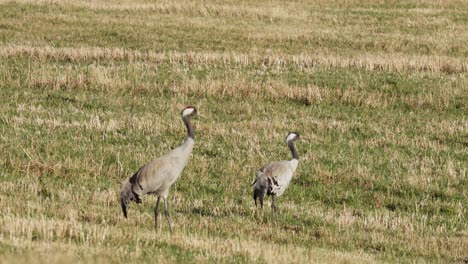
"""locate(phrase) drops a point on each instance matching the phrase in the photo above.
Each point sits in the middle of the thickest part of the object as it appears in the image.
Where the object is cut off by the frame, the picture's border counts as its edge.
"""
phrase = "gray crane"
(157, 176)
(274, 178)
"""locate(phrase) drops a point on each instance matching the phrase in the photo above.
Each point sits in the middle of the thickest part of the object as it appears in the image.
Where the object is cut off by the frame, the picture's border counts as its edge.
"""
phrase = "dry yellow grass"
(371, 62)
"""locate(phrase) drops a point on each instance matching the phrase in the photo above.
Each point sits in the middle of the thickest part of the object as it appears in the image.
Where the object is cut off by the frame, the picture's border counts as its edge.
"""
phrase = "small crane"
(274, 178)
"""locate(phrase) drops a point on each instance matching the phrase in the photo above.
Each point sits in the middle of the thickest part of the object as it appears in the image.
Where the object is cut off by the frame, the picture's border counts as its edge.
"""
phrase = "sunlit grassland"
(90, 91)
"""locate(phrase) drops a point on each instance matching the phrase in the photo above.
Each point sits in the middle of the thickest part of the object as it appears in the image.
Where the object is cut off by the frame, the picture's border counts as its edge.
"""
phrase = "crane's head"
(189, 111)
(292, 136)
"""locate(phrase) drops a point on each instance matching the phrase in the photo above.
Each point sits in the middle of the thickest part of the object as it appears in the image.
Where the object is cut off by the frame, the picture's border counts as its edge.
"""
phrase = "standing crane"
(274, 178)
(158, 176)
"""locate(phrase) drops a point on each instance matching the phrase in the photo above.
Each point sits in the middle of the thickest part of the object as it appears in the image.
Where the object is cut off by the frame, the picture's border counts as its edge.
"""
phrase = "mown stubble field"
(92, 90)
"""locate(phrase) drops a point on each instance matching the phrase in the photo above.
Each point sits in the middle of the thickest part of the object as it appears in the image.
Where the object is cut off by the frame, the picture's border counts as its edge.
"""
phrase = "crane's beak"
(123, 203)
(200, 115)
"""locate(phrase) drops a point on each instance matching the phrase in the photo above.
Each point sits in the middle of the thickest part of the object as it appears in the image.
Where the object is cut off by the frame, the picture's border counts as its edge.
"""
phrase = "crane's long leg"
(156, 212)
(168, 216)
(274, 209)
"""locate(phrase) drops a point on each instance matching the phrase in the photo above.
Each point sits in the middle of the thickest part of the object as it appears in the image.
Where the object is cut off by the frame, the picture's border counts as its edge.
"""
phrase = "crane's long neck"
(190, 130)
(293, 150)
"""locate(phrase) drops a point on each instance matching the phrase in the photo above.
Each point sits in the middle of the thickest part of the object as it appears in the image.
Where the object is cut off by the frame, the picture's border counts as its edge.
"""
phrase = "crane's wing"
(273, 178)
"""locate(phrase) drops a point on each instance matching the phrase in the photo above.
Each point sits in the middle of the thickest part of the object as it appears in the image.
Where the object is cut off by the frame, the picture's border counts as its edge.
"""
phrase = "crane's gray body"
(274, 178)
(157, 176)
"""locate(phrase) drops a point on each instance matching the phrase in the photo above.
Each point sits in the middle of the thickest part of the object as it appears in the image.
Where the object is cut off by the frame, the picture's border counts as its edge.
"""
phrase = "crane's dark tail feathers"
(123, 203)
(258, 195)
(127, 194)
(126, 197)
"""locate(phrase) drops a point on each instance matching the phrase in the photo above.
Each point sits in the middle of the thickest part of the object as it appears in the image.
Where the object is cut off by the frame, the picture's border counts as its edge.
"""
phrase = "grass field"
(92, 90)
